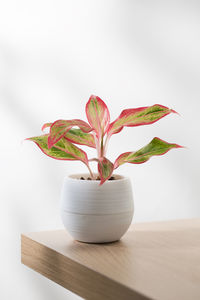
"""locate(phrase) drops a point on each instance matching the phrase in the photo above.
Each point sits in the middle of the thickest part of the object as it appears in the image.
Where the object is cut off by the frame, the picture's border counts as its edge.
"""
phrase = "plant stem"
(91, 174)
(94, 159)
(97, 144)
(106, 144)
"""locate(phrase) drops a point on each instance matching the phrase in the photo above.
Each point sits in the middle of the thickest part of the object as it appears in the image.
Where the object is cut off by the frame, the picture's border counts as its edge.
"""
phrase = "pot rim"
(76, 177)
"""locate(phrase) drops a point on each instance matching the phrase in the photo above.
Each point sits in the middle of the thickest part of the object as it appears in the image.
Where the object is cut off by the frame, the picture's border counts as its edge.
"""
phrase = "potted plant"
(98, 207)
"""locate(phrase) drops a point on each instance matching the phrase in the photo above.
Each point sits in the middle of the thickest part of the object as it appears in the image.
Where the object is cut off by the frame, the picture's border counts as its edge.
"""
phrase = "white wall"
(53, 55)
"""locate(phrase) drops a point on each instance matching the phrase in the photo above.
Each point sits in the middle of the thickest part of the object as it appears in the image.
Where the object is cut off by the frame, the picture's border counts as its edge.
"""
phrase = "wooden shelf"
(159, 261)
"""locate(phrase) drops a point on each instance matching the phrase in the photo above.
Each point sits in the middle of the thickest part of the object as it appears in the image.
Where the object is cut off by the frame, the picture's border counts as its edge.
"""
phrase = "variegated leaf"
(155, 147)
(98, 115)
(73, 150)
(77, 136)
(139, 116)
(46, 125)
(54, 152)
(63, 150)
(60, 127)
(121, 159)
(105, 168)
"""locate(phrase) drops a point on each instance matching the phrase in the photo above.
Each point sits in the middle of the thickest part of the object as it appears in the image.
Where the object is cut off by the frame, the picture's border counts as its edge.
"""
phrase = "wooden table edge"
(72, 275)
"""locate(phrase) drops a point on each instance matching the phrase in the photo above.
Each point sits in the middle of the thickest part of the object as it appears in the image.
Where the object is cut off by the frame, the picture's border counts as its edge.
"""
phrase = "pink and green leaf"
(105, 168)
(121, 159)
(60, 127)
(98, 115)
(73, 150)
(154, 148)
(63, 150)
(46, 125)
(54, 152)
(139, 116)
(77, 136)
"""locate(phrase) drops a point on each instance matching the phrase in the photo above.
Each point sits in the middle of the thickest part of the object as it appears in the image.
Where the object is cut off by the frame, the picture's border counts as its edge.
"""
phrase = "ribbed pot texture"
(93, 213)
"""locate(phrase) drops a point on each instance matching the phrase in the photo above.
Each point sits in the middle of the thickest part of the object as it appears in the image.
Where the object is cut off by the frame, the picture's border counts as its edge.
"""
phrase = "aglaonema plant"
(60, 143)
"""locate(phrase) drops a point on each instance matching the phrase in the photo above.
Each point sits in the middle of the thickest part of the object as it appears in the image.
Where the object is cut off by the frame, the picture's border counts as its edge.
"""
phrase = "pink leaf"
(62, 150)
(46, 125)
(60, 127)
(77, 136)
(139, 116)
(121, 159)
(105, 168)
(98, 115)
(154, 148)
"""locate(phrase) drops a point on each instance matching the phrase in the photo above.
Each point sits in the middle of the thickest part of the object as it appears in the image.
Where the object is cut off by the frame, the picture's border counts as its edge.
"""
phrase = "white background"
(53, 56)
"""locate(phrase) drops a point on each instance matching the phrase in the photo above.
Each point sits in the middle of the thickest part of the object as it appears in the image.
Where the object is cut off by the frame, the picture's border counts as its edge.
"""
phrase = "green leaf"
(77, 136)
(98, 115)
(139, 116)
(46, 125)
(105, 168)
(155, 147)
(60, 127)
(73, 150)
(62, 150)
(54, 152)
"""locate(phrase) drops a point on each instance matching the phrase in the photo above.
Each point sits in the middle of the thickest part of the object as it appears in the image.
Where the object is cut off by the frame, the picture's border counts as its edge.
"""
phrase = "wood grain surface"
(159, 260)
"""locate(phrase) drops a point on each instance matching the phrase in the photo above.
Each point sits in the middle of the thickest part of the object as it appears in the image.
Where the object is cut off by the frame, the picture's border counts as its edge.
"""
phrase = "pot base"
(97, 228)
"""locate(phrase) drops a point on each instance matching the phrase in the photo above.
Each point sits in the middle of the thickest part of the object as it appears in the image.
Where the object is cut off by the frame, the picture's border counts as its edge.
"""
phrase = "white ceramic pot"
(93, 213)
